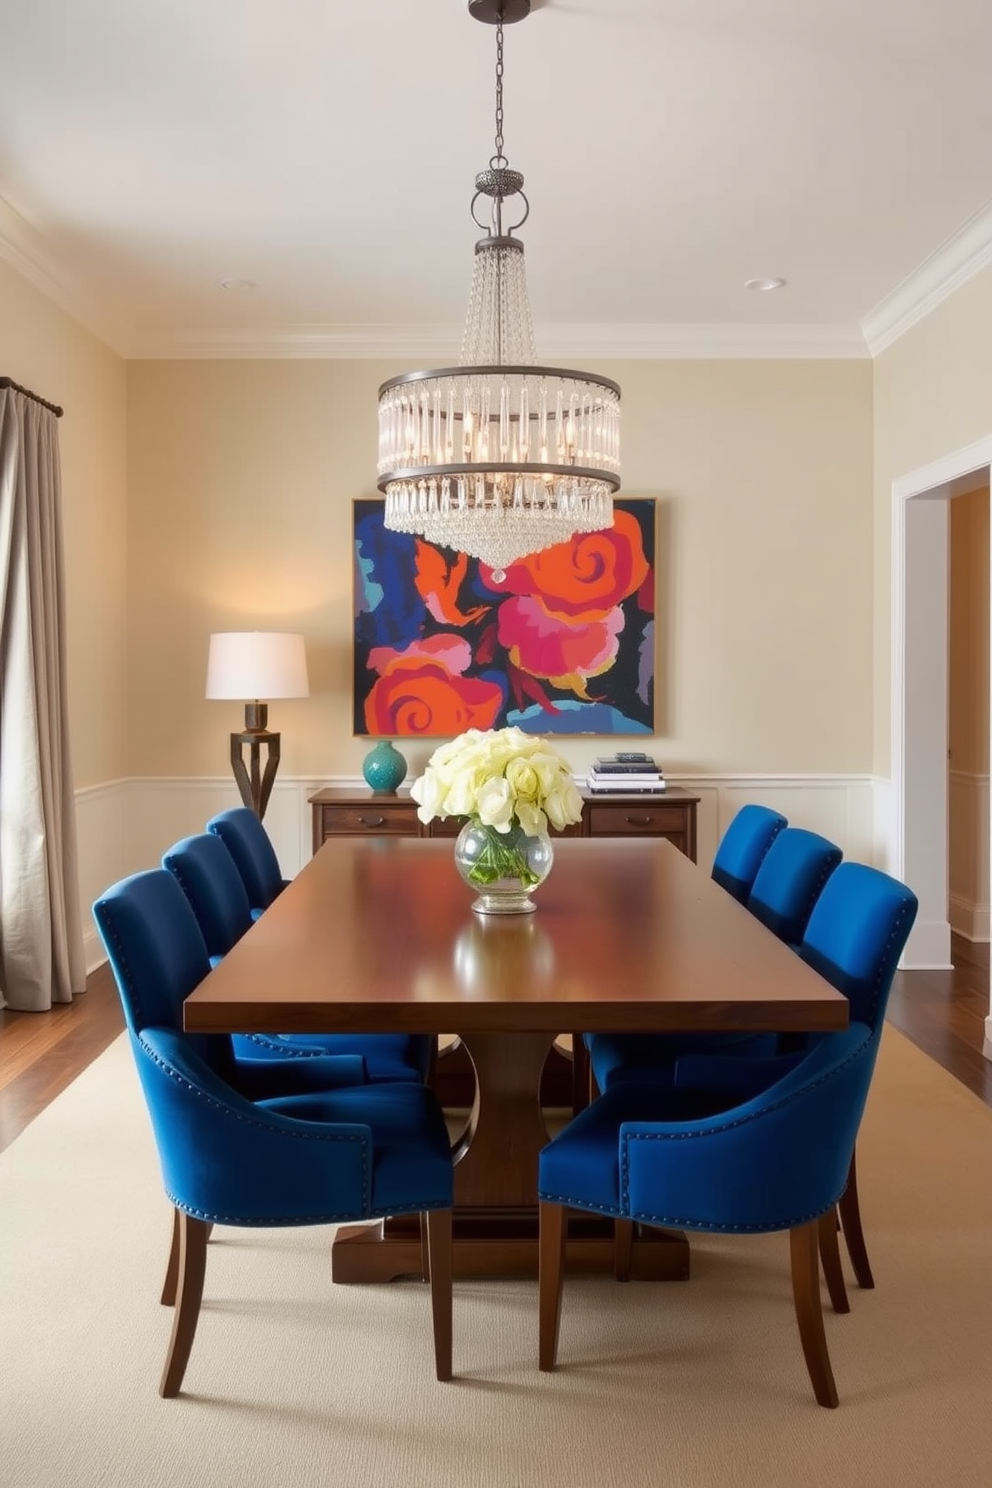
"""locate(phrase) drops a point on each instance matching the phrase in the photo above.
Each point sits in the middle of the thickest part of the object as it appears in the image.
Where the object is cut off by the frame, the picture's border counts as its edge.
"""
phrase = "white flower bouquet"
(508, 782)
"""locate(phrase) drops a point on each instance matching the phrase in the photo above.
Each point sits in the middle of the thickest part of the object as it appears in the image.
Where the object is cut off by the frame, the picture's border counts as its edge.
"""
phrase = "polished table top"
(379, 935)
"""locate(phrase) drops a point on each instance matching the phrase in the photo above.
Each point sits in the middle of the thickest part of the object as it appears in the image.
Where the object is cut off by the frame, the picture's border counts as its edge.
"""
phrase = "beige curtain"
(41, 940)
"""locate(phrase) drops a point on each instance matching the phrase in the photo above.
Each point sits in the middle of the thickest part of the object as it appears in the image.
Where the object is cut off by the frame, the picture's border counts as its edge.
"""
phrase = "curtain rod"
(10, 383)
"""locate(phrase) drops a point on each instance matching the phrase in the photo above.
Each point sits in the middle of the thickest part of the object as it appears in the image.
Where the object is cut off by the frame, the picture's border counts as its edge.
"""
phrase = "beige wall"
(46, 350)
(932, 396)
(240, 482)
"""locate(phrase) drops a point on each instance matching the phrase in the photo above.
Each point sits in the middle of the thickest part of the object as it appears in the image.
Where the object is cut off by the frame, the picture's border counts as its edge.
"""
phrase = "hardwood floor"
(943, 1012)
(42, 1053)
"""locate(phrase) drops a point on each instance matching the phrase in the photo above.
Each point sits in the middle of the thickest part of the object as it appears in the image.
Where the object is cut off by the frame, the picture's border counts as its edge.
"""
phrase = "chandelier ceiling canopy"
(499, 457)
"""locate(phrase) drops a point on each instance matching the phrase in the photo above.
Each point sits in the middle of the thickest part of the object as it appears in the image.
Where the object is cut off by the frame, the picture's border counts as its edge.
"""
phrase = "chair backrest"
(790, 880)
(248, 843)
(856, 934)
(209, 877)
(158, 955)
(743, 846)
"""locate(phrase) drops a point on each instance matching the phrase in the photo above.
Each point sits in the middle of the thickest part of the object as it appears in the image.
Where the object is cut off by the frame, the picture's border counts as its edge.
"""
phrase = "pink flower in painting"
(566, 653)
(450, 652)
(564, 619)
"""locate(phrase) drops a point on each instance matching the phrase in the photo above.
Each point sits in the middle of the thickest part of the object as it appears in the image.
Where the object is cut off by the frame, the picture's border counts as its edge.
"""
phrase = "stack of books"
(627, 773)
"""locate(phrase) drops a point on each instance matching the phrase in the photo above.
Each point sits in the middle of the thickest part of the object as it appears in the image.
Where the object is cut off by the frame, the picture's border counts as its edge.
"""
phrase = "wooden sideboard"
(340, 811)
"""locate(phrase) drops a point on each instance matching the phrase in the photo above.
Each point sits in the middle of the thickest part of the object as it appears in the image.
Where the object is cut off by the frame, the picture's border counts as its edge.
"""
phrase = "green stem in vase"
(503, 856)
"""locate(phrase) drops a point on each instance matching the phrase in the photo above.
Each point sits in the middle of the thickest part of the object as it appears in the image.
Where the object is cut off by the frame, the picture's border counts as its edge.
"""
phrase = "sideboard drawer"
(372, 820)
(628, 819)
(450, 826)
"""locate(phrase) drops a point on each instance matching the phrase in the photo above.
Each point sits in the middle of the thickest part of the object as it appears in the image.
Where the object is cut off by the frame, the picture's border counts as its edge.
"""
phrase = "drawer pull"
(638, 821)
(372, 821)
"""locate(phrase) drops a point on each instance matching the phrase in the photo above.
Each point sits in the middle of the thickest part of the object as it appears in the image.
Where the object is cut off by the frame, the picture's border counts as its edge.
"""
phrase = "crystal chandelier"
(499, 457)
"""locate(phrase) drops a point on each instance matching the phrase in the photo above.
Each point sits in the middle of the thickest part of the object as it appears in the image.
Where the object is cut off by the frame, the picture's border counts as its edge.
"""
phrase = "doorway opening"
(919, 691)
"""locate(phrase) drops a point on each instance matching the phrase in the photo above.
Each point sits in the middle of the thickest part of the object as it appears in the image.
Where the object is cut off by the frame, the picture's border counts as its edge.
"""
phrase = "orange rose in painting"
(585, 578)
(416, 694)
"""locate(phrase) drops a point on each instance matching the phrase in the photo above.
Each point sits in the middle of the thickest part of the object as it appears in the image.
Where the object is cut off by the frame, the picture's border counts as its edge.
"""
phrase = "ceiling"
(325, 152)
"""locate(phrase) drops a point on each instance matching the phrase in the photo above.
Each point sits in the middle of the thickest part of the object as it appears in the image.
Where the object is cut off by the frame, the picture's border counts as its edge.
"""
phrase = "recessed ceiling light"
(765, 283)
(239, 286)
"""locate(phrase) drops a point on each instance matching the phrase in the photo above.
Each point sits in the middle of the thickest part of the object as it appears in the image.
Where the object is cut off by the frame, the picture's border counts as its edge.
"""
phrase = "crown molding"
(937, 277)
(433, 345)
(23, 248)
(958, 260)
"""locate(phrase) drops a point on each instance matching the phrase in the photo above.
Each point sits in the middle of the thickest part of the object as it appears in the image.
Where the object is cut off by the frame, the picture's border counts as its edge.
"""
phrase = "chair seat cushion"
(581, 1167)
(412, 1167)
(388, 1056)
(618, 1058)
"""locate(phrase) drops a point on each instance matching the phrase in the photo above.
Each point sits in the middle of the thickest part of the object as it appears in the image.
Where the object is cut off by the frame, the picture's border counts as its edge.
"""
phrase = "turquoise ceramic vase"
(384, 768)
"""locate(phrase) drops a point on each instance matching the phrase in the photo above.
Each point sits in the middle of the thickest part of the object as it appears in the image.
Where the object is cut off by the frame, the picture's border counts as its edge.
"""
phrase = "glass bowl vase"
(505, 867)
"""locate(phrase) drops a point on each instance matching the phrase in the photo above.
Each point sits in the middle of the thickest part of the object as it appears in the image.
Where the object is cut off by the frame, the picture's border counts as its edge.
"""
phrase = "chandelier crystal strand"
(499, 457)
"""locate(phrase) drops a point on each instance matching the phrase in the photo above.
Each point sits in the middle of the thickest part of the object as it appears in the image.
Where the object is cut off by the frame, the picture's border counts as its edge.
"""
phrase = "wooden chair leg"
(854, 1238)
(830, 1260)
(425, 1249)
(809, 1312)
(171, 1281)
(441, 1272)
(623, 1246)
(192, 1265)
(551, 1269)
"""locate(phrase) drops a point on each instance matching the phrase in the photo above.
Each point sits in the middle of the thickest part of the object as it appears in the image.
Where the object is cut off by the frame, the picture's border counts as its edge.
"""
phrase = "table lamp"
(252, 665)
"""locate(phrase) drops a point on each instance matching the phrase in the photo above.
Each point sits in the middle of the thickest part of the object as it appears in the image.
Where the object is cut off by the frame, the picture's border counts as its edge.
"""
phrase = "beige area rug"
(294, 1381)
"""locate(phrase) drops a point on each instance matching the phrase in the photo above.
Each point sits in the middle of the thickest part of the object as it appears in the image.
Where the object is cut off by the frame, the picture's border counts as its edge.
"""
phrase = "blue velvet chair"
(323, 1157)
(855, 936)
(182, 941)
(619, 1056)
(791, 874)
(251, 848)
(742, 848)
(790, 880)
(208, 876)
(742, 1145)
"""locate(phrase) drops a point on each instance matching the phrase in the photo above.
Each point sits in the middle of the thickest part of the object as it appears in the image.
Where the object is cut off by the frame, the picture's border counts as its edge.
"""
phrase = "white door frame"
(919, 647)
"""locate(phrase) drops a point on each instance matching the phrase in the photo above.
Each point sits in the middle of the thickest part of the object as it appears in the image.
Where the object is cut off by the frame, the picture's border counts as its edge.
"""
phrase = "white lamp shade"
(257, 664)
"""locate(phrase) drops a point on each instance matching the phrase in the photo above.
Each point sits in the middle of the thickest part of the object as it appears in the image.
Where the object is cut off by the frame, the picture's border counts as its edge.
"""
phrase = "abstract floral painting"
(562, 644)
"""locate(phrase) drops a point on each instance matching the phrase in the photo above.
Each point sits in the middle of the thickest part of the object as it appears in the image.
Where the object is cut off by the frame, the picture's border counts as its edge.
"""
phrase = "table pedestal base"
(490, 1244)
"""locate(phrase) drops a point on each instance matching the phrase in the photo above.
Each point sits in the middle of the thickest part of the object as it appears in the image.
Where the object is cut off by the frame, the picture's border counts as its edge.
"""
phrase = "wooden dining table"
(378, 935)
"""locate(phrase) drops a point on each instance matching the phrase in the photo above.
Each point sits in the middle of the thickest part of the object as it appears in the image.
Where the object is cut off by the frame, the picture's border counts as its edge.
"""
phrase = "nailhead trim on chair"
(285, 1051)
(684, 1136)
(299, 1136)
(110, 933)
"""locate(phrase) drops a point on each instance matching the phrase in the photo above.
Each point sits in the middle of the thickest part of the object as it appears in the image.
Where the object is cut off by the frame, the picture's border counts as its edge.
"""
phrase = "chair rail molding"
(126, 825)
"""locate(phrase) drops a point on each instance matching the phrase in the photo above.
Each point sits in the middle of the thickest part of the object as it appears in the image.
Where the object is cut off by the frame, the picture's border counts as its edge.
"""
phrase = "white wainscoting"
(968, 824)
(126, 825)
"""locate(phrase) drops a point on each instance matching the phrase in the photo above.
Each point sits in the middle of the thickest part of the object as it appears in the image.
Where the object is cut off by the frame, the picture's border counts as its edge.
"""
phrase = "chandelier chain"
(499, 158)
